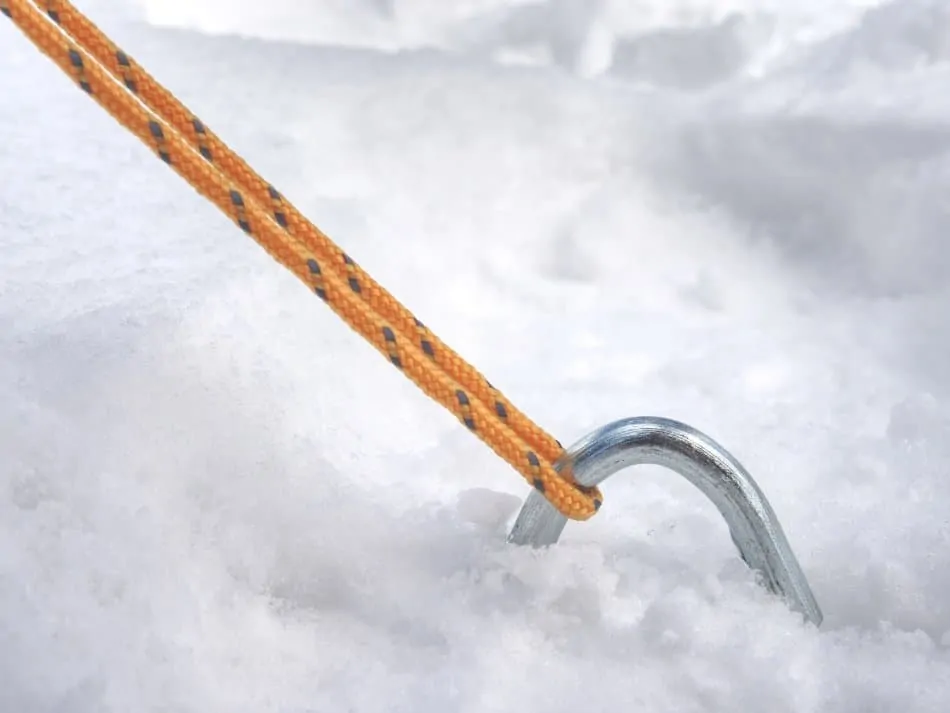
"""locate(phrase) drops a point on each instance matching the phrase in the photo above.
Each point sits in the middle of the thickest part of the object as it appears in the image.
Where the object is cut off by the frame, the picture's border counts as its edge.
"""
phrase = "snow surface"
(215, 497)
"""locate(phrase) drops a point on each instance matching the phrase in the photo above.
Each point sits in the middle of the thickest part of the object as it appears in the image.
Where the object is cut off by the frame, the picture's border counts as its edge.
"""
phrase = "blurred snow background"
(214, 497)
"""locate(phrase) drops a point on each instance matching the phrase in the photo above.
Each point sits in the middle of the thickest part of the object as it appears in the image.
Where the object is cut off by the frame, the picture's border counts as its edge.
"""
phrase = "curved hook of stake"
(753, 525)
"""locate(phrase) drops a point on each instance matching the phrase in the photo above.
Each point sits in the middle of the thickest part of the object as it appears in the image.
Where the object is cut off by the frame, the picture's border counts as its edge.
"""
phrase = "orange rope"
(158, 119)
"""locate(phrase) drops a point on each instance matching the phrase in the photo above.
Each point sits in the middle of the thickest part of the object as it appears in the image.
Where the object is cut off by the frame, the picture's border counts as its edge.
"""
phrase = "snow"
(215, 497)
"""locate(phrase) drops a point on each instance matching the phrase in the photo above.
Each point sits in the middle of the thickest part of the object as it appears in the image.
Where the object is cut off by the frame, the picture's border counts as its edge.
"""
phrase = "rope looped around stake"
(182, 141)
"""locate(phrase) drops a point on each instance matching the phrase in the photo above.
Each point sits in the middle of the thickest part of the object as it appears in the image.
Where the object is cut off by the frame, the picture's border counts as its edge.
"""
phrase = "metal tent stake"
(753, 525)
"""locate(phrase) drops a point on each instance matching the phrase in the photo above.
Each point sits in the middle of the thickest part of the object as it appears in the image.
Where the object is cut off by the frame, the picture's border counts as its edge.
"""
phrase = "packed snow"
(215, 497)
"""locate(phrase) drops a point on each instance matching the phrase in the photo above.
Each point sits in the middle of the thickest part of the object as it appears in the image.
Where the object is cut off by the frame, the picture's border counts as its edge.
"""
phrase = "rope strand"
(152, 113)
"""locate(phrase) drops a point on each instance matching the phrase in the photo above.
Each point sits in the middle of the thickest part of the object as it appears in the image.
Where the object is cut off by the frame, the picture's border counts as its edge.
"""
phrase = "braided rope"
(148, 110)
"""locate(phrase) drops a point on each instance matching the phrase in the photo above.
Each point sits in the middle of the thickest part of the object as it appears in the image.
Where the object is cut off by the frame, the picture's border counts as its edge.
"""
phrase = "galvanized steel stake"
(703, 462)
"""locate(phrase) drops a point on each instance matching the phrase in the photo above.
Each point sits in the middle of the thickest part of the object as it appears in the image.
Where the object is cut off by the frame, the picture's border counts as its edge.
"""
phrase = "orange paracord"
(180, 139)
